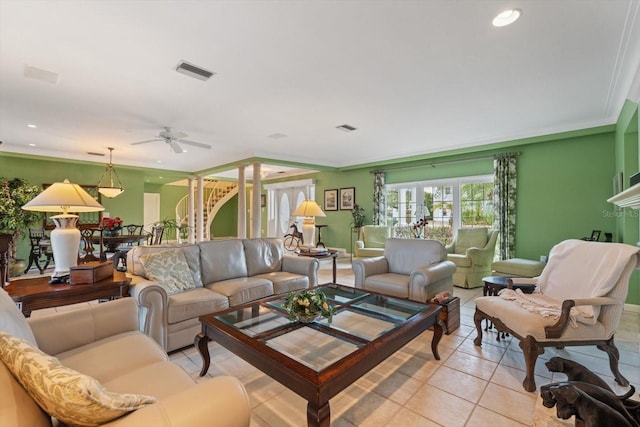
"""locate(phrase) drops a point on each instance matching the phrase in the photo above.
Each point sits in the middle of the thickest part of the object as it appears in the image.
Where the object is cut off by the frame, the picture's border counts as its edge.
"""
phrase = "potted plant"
(358, 215)
(175, 228)
(307, 306)
(15, 193)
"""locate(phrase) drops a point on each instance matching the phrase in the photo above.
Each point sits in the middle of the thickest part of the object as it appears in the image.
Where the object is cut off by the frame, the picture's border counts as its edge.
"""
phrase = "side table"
(332, 254)
(37, 293)
(494, 284)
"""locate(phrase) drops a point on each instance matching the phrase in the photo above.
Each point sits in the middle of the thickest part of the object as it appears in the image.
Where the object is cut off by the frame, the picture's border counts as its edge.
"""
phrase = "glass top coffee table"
(318, 360)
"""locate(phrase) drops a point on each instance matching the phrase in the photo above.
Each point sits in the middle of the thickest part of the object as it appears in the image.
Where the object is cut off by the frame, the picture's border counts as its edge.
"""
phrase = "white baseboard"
(632, 308)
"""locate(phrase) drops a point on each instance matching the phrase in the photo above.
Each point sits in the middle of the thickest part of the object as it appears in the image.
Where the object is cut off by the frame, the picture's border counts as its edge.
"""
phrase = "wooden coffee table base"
(317, 387)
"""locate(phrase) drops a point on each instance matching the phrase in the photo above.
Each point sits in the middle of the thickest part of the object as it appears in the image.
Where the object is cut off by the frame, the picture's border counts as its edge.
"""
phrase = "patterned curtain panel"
(379, 201)
(504, 167)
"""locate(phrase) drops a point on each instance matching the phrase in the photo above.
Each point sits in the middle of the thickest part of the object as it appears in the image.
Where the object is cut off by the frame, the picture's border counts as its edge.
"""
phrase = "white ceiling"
(414, 77)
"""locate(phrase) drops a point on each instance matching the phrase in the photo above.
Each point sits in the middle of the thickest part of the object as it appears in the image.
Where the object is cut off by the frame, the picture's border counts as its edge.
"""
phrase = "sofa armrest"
(306, 266)
(450, 248)
(421, 278)
(153, 309)
(220, 401)
(360, 244)
(363, 268)
(66, 330)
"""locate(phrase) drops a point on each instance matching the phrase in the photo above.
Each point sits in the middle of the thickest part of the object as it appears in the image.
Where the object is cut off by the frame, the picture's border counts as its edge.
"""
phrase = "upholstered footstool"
(517, 267)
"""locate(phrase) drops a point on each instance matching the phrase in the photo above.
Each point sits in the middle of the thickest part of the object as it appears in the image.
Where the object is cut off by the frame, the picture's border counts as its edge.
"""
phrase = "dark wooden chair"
(537, 332)
(87, 245)
(155, 238)
(41, 254)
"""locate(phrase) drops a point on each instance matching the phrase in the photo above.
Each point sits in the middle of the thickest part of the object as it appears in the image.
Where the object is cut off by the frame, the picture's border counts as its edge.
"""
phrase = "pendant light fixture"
(110, 191)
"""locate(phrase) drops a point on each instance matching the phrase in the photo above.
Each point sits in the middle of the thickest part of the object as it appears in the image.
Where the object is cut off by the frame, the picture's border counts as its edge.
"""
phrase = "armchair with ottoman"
(415, 269)
(371, 240)
(472, 252)
(92, 366)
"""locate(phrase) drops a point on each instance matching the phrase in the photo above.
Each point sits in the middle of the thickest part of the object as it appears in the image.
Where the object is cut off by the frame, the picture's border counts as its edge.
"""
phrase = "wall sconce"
(110, 191)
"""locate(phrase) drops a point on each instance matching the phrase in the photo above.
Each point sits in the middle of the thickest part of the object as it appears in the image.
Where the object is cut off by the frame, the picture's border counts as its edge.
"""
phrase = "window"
(446, 205)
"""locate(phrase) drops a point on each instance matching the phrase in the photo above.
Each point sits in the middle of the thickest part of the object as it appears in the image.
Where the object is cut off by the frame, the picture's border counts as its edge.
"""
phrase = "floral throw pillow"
(71, 397)
(170, 269)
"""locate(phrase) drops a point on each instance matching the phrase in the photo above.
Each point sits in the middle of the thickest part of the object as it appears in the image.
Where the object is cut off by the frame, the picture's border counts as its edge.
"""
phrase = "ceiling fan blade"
(144, 142)
(174, 146)
(196, 144)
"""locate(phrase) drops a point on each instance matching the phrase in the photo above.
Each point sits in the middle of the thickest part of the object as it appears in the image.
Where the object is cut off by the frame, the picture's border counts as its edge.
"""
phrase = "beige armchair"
(415, 269)
(472, 252)
(578, 301)
(371, 240)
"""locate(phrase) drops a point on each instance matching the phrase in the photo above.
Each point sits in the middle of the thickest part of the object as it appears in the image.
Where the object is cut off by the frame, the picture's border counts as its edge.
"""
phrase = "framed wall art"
(85, 219)
(347, 198)
(331, 200)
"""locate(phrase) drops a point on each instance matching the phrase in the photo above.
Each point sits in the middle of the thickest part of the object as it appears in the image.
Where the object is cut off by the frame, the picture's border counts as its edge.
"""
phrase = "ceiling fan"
(173, 139)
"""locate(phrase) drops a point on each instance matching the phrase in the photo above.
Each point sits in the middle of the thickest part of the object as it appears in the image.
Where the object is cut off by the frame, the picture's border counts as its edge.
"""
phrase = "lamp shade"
(63, 197)
(308, 208)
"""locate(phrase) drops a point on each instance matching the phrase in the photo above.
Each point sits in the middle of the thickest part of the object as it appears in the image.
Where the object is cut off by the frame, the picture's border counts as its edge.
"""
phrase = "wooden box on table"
(91, 272)
(450, 314)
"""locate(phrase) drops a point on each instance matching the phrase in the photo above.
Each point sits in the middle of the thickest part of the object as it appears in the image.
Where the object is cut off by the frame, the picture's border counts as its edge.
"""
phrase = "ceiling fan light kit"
(110, 191)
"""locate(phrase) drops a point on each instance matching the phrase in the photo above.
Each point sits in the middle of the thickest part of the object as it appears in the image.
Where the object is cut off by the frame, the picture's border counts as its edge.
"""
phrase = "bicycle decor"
(293, 240)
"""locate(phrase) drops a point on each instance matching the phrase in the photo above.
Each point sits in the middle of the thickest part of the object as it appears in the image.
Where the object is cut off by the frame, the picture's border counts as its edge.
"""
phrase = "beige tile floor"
(469, 386)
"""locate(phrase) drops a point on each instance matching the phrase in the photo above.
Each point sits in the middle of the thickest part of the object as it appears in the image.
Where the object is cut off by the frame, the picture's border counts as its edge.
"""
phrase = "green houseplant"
(15, 193)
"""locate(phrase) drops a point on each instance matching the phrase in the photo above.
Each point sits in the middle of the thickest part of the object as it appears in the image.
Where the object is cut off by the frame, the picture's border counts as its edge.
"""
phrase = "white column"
(242, 203)
(256, 224)
(200, 216)
(192, 212)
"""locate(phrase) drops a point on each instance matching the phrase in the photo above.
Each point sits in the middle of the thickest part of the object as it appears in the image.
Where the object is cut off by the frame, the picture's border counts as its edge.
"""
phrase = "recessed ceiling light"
(507, 17)
(158, 161)
(32, 145)
(32, 126)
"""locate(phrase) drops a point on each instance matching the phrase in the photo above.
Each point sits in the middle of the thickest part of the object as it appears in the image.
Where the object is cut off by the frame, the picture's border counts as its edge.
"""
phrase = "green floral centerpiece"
(307, 306)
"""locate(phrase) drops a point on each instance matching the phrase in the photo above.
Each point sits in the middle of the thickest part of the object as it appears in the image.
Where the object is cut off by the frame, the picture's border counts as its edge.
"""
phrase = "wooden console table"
(37, 293)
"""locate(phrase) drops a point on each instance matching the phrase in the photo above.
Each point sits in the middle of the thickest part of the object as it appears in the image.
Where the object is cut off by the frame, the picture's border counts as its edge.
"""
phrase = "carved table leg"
(477, 319)
(614, 356)
(437, 334)
(202, 344)
(531, 350)
(318, 416)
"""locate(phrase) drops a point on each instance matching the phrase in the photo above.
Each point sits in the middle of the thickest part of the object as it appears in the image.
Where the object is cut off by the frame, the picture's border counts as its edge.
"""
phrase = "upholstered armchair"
(415, 269)
(472, 252)
(372, 238)
(578, 301)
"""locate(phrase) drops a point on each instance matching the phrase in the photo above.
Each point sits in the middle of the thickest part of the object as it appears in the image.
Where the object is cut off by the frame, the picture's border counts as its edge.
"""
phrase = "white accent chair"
(578, 301)
(414, 269)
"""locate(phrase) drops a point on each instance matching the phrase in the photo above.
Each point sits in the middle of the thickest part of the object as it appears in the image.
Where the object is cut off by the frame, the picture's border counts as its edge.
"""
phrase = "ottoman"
(517, 267)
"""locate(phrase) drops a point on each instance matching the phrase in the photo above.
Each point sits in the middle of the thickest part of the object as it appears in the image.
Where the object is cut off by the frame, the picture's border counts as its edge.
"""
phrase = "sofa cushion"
(169, 269)
(374, 236)
(243, 289)
(161, 380)
(65, 394)
(194, 303)
(191, 253)
(470, 238)
(17, 408)
(12, 321)
(263, 255)
(395, 285)
(96, 358)
(284, 282)
(222, 260)
(369, 252)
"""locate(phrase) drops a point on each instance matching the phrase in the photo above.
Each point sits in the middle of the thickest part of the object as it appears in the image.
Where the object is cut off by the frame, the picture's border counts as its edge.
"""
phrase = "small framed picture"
(347, 198)
(595, 235)
(331, 200)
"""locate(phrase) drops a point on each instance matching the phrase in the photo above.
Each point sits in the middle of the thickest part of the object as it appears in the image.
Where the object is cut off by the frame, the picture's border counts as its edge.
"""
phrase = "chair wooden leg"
(614, 356)
(477, 319)
(531, 351)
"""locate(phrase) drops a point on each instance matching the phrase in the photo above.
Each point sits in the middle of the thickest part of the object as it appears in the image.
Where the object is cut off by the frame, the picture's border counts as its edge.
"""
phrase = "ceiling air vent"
(194, 71)
(346, 128)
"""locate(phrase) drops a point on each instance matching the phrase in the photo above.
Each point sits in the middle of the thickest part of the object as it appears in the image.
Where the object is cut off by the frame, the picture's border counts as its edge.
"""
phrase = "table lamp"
(64, 197)
(309, 210)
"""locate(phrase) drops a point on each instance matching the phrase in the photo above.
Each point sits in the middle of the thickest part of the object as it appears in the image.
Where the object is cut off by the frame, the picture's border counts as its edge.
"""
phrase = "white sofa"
(103, 342)
(225, 273)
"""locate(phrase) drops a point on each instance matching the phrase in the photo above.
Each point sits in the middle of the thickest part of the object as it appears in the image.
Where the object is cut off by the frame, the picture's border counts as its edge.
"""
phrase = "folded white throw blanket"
(546, 307)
